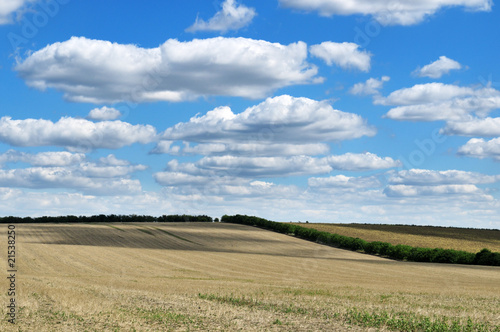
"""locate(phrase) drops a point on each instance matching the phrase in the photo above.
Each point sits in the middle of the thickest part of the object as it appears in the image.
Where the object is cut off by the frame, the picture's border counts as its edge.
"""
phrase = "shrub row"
(106, 219)
(399, 252)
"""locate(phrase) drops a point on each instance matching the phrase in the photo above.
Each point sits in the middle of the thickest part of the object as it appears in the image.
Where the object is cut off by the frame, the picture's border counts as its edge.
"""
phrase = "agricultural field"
(227, 277)
(468, 239)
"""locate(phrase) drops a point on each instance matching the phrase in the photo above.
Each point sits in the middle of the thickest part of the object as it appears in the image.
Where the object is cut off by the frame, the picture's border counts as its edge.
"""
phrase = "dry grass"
(211, 276)
(472, 240)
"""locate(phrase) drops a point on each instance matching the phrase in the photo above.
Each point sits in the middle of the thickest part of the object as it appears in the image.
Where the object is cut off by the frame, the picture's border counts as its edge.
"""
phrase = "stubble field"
(468, 239)
(213, 276)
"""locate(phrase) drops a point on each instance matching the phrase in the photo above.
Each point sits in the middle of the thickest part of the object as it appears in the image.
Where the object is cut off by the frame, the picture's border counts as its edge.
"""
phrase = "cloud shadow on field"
(203, 237)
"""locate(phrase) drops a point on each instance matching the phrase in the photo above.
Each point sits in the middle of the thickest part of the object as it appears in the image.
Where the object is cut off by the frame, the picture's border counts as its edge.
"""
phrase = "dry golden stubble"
(119, 278)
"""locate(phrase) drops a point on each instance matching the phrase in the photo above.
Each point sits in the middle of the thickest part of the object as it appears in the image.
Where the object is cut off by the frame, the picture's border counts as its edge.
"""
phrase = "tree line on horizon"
(111, 218)
(383, 249)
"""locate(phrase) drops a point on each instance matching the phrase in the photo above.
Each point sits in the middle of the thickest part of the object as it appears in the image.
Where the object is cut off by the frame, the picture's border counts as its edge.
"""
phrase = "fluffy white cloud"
(253, 149)
(233, 16)
(425, 93)
(345, 55)
(279, 137)
(343, 182)
(263, 167)
(57, 177)
(441, 190)
(174, 179)
(422, 183)
(74, 134)
(387, 13)
(104, 114)
(102, 178)
(61, 158)
(279, 120)
(98, 71)
(342, 198)
(438, 101)
(8, 7)
(415, 184)
(361, 162)
(109, 171)
(205, 190)
(226, 168)
(427, 112)
(370, 87)
(474, 127)
(438, 68)
(113, 161)
(480, 148)
(212, 178)
(422, 177)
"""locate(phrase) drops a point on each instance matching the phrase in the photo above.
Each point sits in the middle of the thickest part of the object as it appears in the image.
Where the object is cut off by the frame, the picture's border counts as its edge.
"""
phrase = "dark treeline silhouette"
(384, 249)
(106, 219)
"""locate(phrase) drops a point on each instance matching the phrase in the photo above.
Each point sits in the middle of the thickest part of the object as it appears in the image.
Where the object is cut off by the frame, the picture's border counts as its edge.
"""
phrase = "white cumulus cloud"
(438, 101)
(217, 169)
(480, 148)
(425, 177)
(361, 162)
(441, 190)
(253, 149)
(387, 13)
(64, 170)
(343, 182)
(280, 125)
(232, 16)
(345, 55)
(59, 158)
(371, 87)
(489, 127)
(8, 7)
(57, 177)
(104, 114)
(425, 93)
(438, 68)
(74, 134)
(98, 71)
(263, 167)
(422, 183)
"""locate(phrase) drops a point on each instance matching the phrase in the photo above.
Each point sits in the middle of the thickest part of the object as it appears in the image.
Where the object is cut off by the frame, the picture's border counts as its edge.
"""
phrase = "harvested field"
(212, 276)
(468, 239)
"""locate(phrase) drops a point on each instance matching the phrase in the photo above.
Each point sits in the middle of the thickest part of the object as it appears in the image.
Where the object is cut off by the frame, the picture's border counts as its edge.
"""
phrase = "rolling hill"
(215, 276)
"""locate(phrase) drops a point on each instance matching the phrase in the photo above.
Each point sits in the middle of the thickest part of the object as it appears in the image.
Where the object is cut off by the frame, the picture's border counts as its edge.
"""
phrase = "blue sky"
(326, 111)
